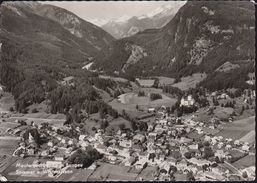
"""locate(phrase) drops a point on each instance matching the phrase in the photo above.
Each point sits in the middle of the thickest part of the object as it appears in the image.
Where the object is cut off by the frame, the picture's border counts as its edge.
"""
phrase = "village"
(172, 148)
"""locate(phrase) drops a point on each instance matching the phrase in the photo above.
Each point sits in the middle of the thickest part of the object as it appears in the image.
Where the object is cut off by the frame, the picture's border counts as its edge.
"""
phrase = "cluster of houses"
(170, 142)
(176, 146)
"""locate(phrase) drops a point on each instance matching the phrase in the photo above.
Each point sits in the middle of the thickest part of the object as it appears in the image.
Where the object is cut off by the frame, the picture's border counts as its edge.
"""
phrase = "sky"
(90, 10)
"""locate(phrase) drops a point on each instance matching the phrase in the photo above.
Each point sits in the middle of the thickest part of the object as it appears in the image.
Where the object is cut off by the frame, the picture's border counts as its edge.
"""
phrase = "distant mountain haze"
(126, 26)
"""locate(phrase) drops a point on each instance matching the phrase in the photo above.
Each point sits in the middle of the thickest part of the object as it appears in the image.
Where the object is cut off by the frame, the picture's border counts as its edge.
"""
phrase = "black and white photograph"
(127, 91)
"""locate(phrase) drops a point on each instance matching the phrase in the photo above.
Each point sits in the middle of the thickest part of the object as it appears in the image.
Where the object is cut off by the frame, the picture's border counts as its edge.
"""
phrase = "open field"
(132, 99)
(8, 145)
(45, 116)
(118, 79)
(6, 125)
(190, 81)
(6, 161)
(77, 175)
(129, 101)
(249, 137)
(6, 101)
(89, 124)
(238, 129)
(165, 80)
(42, 107)
(112, 172)
(147, 174)
(38, 118)
(223, 112)
(245, 162)
(11, 175)
(116, 122)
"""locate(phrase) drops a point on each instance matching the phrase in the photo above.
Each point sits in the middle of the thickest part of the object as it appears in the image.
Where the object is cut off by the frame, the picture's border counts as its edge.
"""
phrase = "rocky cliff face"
(200, 38)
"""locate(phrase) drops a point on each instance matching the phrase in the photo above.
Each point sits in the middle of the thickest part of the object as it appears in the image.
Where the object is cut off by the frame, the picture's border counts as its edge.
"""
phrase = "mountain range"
(126, 26)
(216, 38)
(47, 35)
(200, 38)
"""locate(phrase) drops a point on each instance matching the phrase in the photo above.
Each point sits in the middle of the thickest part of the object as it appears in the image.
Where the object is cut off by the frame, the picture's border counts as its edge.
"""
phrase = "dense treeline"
(64, 97)
(103, 84)
(85, 157)
(41, 84)
(141, 93)
(172, 90)
(155, 96)
(233, 79)
(26, 87)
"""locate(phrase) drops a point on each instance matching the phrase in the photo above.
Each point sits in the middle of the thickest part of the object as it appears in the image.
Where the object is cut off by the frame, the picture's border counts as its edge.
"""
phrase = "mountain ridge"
(201, 37)
(123, 26)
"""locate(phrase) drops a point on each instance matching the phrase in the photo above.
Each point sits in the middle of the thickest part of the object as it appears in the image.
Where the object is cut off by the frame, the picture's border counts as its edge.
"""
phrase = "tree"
(188, 155)
(217, 159)
(190, 176)
(141, 93)
(206, 143)
(93, 128)
(155, 96)
(242, 110)
(151, 156)
(177, 155)
(173, 168)
(68, 119)
(11, 109)
(86, 158)
(122, 126)
(104, 124)
(244, 175)
(101, 114)
(208, 152)
(34, 110)
(177, 80)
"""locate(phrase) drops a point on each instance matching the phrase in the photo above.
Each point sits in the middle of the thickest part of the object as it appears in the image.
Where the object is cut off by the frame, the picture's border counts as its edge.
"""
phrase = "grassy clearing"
(165, 80)
(8, 145)
(249, 137)
(129, 101)
(77, 175)
(45, 116)
(118, 79)
(6, 125)
(190, 81)
(115, 172)
(245, 162)
(147, 173)
(6, 101)
(223, 112)
(238, 129)
(116, 122)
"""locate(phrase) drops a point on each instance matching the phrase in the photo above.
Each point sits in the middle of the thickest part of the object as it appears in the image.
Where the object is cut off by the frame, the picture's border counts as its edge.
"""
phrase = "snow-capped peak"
(122, 19)
(166, 9)
(98, 22)
(142, 17)
(156, 11)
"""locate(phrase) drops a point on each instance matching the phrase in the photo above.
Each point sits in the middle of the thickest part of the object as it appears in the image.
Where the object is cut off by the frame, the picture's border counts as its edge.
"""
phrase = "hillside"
(200, 38)
(41, 46)
(47, 34)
